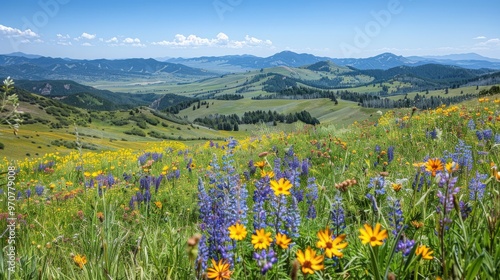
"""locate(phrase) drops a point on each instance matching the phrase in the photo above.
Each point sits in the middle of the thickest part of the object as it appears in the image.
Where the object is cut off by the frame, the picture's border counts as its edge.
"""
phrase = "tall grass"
(105, 206)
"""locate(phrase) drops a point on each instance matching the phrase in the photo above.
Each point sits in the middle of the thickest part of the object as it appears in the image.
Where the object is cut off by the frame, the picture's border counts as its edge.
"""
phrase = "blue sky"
(92, 29)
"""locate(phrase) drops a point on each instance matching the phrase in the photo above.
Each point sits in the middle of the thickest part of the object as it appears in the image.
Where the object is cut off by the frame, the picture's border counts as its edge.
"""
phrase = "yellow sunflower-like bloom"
(260, 164)
(80, 260)
(332, 246)
(237, 232)
(219, 271)
(309, 261)
(374, 236)
(282, 186)
(261, 239)
(282, 240)
(425, 252)
(434, 165)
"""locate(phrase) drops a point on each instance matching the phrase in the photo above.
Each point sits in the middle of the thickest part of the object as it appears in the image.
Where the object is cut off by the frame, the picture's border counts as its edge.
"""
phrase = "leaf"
(423, 197)
(474, 267)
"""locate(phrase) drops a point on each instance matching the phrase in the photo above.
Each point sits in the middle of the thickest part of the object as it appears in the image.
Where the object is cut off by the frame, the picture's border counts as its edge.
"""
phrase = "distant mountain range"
(287, 58)
(33, 67)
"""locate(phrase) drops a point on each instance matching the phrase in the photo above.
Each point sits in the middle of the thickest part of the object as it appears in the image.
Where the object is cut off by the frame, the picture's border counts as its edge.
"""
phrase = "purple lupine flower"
(261, 194)
(278, 212)
(390, 154)
(463, 155)
(395, 214)
(477, 187)
(204, 203)
(232, 143)
(405, 246)
(497, 138)
(110, 180)
(446, 199)
(277, 168)
(373, 200)
(265, 260)
(378, 183)
(131, 203)
(147, 196)
(431, 134)
(312, 195)
(292, 219)
(127, 177)
(156, 156)
(471, 125)
(19, 195)
(226, 207)
(157, 182)
(337, 215)
(479, 135)
(487, 134)
(143, 158)
(251, 167)
(202, 257)
(465, 209)
(305, 167)
(28, 193)
(139, 197)
(39, 189)
(44, 165)
(145, 183)
(90, 184)
(246, 174)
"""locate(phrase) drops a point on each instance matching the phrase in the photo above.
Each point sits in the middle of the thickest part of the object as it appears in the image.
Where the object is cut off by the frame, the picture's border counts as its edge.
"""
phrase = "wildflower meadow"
(414, 195)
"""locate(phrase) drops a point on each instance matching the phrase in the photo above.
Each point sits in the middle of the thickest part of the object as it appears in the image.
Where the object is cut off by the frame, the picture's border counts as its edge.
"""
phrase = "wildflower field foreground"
(413, 196)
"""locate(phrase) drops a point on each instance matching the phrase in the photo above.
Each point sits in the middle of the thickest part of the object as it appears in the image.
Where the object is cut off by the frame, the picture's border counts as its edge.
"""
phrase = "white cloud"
(221, 40)
(112, 40)
(87, 44)
(14, 32)
(252, 41)
(60, 36)
(490, 43)
(134, 42)
(65, 43)
(479, 38)
(131, 41)
(87, 36)
(222, 37)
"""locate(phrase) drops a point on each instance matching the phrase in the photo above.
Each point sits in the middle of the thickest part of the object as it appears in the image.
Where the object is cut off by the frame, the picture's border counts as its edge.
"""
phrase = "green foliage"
(9, 105)
(230, 122)
(173, 103)
(135, 131)
(278, 83)
(229, 97)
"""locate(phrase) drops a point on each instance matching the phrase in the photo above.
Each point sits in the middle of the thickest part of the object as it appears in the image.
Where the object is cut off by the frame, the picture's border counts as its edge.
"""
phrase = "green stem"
(415, 276)
(374, 261)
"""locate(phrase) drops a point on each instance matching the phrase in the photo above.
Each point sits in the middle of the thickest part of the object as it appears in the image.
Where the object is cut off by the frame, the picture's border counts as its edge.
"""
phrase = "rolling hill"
(87, 97)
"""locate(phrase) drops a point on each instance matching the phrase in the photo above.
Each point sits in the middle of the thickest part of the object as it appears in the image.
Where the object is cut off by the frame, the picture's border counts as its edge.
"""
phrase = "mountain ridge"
(382, 61)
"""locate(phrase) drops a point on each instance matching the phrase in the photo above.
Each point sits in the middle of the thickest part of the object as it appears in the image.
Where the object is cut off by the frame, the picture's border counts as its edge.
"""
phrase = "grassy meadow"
(409, 194)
